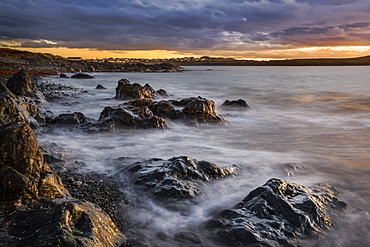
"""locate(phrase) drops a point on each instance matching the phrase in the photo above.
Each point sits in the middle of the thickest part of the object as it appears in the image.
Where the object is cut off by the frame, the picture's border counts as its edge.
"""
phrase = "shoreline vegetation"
(39, 64)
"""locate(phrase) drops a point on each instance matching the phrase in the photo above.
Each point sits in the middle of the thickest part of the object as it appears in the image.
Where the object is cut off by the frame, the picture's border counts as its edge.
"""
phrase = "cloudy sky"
(236, 28)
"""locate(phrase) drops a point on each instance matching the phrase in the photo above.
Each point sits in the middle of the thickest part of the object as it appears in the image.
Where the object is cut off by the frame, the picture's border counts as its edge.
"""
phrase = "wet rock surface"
(24, 174)
(21, 84)
(75, 118)
(128, 91)
(200, 110)
(277, 214)
(195, 110)
(114, 118)
(99, 86)
(14, 107)
(236, 104)
(57, 222)
(11, 109)
(161, 108)
(179, 178)
(82, 76)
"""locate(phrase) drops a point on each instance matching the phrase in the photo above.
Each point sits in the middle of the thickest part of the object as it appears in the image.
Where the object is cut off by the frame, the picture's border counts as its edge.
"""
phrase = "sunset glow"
(265, 29)
(297, 53)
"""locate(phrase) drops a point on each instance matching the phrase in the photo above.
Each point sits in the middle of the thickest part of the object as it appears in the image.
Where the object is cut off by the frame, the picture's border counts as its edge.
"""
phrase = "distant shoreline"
(12, 61)
(360, 61)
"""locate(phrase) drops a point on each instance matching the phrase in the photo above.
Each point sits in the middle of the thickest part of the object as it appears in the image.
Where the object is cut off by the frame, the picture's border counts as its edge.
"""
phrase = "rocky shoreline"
(45, 200)
(38, 64)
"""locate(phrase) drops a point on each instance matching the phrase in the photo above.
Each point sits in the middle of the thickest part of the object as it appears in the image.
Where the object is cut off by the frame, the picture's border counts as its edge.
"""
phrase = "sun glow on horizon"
(262, 55)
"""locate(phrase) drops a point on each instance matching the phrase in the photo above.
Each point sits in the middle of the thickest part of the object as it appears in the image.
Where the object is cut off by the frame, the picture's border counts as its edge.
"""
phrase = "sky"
(244, 29)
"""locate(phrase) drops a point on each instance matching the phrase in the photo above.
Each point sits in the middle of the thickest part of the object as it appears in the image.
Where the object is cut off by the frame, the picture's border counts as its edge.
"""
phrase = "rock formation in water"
(128, 91)
(99, 86)
(192, 110)
(179, 178)
(114, 118)
(236, 104)
(82, 76)
(71, 119)
(277, 214)
(199, 110)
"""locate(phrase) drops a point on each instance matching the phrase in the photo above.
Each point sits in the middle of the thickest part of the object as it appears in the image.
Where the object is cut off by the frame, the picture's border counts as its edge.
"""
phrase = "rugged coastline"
(28, 187)
(38, 64)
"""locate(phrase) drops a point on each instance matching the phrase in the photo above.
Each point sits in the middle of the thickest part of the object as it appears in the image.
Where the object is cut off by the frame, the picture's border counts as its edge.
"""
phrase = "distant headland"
(12, 60)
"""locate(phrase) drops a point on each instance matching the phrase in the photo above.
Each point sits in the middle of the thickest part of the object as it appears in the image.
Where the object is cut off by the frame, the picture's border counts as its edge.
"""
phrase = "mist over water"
(315, 117)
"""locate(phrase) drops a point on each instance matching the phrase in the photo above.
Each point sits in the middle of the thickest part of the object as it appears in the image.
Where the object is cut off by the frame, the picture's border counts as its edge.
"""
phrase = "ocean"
(317, 118)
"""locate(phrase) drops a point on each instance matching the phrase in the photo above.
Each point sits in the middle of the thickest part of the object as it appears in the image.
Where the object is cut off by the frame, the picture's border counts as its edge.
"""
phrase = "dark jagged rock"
(23, 172)
(128, 91)
(21, 84)
(10, 109)
(178, 178)
(239, 104)
(71, 118)
(276, 214)
(165, 109)
(130, 117)
(200, 110)
(99, 86)
(162, 93)
(58, 222)
(62, 75)
(14, 108)
(82, 76)
(195, 110)
(161, 108)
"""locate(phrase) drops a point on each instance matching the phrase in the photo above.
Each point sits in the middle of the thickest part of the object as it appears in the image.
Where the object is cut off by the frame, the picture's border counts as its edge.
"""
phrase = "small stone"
(77, 183)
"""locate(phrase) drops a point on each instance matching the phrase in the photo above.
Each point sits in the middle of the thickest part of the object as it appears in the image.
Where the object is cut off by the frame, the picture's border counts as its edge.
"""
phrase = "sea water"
(317, 118)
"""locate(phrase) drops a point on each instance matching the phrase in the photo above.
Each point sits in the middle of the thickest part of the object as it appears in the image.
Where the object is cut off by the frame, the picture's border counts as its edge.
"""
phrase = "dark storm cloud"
(183, 25)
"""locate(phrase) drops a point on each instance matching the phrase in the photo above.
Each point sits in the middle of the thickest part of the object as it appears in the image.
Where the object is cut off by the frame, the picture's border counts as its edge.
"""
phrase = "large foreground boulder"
(57, 222)
(23, 172)
(178, 178)
(35, 208)
(276, 214)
